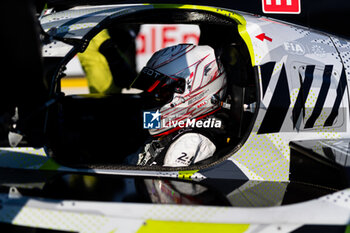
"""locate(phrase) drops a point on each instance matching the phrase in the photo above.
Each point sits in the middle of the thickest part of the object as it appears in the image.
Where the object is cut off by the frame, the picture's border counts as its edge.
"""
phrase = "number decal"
(182, 157)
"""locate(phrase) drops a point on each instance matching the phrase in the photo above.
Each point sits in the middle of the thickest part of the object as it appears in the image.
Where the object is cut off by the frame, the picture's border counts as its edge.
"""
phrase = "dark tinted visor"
(159, 87)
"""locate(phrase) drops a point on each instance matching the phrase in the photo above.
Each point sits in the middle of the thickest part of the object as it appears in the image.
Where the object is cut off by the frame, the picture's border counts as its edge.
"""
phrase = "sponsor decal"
(281, 6)
(202, 104)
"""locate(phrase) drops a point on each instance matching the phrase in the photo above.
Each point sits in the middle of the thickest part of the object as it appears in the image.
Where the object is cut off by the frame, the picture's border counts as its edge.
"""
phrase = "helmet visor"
(158, 87)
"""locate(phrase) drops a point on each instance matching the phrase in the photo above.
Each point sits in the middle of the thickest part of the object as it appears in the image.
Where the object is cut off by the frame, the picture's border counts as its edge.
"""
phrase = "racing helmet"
(179, 83)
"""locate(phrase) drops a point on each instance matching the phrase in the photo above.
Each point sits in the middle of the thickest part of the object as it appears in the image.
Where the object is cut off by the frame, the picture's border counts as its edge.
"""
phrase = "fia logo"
(281, 6)
(151, 120)
(294, 48)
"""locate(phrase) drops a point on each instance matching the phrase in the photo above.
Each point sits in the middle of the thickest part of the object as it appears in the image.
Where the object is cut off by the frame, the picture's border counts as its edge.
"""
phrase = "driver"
(184, 86)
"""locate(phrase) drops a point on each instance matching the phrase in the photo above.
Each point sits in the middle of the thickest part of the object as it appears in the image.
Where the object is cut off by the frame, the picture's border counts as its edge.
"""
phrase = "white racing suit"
(181, 150)
(188, 149)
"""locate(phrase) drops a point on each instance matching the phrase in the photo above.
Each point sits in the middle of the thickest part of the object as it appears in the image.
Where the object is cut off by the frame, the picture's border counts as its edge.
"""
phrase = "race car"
(288, 112)
(297, 80)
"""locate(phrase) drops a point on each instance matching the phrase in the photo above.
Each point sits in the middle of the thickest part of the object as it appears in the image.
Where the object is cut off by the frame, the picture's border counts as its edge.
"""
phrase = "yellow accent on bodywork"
(242, 29)
(239, 19)
(155, 226)
(347, 229)
(51, 165)
(74, 82)
(96, 68)
(186, 175)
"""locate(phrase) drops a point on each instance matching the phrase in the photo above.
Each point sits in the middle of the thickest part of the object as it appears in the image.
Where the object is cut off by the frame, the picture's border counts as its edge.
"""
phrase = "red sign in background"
(154, 37)
(281, 6)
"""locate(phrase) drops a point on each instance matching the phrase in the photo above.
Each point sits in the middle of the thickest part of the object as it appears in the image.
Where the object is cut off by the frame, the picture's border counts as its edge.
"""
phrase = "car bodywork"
(302, 103)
